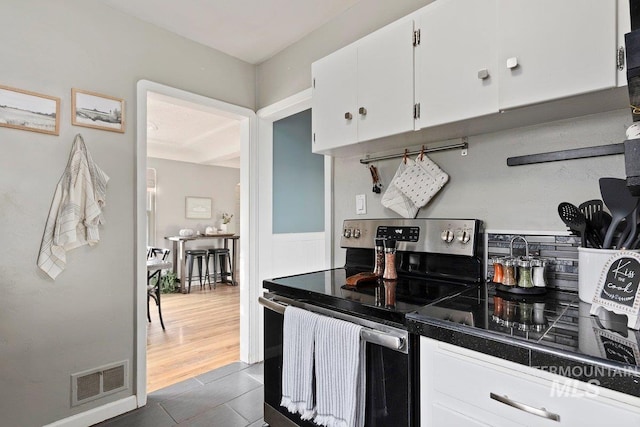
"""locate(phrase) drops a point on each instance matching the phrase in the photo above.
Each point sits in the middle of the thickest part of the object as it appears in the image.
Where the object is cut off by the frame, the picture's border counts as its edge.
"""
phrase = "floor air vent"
(99, 382)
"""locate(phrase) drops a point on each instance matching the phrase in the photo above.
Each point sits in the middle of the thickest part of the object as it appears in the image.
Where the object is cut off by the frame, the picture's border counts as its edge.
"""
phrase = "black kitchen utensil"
(600, 223)
(629, 233)
(620, 202)
(574, 219)
(590, 207)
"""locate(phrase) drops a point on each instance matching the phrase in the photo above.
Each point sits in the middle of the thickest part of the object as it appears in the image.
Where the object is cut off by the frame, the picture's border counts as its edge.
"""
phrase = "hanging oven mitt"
(421, 181)
(394, 199)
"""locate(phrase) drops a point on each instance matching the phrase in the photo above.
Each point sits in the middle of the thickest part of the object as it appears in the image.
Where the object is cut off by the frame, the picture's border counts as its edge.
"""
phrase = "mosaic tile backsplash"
(561, 252)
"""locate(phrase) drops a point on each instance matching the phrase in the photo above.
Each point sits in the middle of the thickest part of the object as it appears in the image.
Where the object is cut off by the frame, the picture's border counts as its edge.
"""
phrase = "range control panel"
(444, 236)
(400, 233)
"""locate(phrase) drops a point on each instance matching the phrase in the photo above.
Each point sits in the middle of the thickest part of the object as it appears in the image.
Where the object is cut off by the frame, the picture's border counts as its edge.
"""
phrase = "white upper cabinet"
(456, 61)
(385, 81)
(474, 59)
(365, 90)
(550, 49)
(334, 101)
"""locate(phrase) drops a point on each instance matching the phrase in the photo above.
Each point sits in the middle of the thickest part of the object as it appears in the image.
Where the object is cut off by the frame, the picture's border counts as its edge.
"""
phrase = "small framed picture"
(22, 109)
(93, 110)
(198, 207)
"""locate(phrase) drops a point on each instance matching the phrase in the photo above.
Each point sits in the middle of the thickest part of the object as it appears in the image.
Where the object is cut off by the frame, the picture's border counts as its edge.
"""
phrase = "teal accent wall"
(298, 177)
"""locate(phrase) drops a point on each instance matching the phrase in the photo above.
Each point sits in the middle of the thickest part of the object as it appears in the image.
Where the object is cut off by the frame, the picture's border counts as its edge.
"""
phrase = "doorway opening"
(193, 160)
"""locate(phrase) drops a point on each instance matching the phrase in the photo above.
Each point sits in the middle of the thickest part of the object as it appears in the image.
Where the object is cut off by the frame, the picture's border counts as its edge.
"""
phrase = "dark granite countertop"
(552, 332)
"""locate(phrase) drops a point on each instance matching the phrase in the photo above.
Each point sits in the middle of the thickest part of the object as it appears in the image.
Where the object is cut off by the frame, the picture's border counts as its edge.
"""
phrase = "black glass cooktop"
(558, 320)
(380, 300)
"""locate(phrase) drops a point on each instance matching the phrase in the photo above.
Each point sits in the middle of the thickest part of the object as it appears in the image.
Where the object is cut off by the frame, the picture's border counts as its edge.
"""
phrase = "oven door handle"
(366, 334)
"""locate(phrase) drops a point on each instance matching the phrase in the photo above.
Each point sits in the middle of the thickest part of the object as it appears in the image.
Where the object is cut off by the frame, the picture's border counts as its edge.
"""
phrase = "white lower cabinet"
(460, 387)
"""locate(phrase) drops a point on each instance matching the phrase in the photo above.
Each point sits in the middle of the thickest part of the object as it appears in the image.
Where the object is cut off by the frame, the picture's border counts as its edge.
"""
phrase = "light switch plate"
(361, 204)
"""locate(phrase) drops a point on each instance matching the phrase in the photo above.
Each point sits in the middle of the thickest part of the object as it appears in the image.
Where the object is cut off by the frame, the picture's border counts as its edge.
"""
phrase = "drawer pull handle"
(526, 408)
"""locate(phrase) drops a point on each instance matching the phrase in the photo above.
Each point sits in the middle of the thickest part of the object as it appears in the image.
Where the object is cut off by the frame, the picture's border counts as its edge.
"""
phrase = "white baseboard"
(99, 414)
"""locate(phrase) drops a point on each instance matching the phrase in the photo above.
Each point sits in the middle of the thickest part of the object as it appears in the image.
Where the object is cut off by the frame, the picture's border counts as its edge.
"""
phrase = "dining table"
(179, 259)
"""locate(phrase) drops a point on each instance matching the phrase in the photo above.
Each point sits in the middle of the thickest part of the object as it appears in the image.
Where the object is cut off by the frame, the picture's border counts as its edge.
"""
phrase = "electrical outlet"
(361, 204)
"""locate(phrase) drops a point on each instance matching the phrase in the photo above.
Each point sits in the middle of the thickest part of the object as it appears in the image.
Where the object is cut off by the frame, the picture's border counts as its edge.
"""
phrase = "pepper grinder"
(390, 272)
(378, 269)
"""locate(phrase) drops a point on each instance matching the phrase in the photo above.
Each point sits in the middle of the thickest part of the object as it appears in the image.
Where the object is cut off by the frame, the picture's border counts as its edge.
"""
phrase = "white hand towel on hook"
(340, 374)
(421, 181)
(298, 333)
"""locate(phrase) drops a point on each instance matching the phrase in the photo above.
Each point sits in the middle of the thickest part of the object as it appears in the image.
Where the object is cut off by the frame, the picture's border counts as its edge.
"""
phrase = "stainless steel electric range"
(435, 259)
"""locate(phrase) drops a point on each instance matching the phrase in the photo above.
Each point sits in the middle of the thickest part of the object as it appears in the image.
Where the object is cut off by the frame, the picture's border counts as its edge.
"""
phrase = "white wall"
(482, 186)
(176, 180)
(85, 319)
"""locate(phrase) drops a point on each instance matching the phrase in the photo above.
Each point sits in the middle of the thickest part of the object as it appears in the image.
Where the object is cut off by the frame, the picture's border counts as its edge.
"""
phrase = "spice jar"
(378, 269)
(524, 274)
(538, 265)
(498, 270)
(390, 272)
(509, 272)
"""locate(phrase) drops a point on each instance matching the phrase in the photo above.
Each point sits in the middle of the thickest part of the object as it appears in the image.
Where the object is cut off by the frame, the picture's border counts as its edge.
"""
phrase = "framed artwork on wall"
(93, 110)
(22, 109)
(198, 207)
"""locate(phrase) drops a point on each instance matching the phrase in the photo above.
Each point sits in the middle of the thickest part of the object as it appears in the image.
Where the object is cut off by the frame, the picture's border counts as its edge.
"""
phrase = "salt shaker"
(538, 272)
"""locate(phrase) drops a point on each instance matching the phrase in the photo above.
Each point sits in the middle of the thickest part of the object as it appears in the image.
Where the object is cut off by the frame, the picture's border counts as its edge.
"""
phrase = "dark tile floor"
(231, 396)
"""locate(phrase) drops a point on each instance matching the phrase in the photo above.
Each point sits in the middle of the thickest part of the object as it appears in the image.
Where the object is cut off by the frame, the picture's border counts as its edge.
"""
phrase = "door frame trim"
(250, 315)
(266, 117)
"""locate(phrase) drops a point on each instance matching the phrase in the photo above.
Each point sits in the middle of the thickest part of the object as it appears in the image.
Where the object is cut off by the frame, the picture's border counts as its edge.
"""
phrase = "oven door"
(391, 379)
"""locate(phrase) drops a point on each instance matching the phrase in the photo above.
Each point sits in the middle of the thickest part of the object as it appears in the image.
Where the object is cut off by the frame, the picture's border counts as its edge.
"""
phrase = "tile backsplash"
(559, 248)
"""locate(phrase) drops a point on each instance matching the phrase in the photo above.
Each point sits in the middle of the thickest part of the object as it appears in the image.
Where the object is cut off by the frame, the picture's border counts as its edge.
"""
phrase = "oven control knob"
(356, 233)
(464, 237)
(447, 236)
(347, 233)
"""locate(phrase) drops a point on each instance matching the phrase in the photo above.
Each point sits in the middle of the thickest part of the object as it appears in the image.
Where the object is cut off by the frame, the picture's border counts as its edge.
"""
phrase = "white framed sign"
(618, 287)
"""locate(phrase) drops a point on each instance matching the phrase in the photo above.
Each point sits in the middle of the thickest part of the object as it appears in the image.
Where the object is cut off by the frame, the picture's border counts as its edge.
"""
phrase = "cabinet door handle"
(348, 116)
(512, 63)
(483, 74)
(362, 111)
(526, 408)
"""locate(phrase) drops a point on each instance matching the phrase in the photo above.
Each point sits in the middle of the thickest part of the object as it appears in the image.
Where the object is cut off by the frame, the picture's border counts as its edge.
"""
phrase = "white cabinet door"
(334, 100)
(385, 81)
(365, 90)
(456, 61)
(551, 49)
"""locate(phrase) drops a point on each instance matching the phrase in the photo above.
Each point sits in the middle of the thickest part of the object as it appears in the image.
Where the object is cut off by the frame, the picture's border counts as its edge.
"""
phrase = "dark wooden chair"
(156, 262)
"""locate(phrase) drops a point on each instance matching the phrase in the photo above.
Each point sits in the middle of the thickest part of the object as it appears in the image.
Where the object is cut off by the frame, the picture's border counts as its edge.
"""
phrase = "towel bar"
(393, 338)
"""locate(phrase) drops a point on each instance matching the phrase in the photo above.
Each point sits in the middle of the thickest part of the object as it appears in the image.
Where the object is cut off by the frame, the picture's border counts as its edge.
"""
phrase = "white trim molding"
(250, 340)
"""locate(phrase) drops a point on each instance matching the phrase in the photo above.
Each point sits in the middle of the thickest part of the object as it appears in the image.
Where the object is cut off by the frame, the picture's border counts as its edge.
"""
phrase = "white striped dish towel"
(298, 334)
(340, 374)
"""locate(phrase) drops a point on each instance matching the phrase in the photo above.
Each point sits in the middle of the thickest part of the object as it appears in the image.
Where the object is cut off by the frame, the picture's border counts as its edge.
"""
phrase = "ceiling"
(251, 30)
(188, 132)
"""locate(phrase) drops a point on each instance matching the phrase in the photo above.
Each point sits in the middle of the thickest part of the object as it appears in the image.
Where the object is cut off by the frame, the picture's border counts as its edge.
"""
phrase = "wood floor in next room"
(202, 334)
